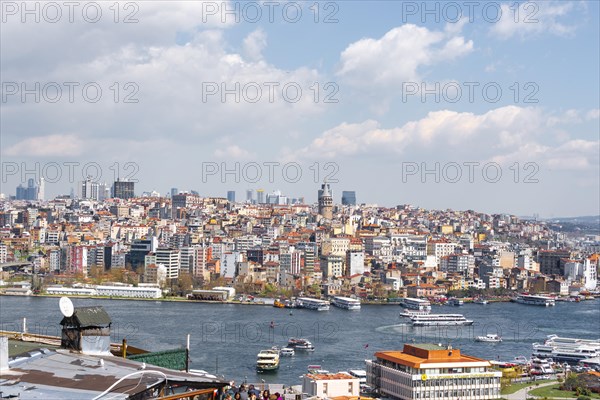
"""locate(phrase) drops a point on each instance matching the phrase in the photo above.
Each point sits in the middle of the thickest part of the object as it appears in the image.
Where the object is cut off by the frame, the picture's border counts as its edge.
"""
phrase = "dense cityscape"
(106, 242)
(299, 200)
(272, 245)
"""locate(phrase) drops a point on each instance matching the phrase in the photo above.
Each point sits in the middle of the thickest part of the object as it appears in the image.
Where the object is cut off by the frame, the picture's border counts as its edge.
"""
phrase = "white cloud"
(593, 114)
(58, 145)
(254, 44)
(504, 135)
(533, 18)
(234, 152)
(397, 56)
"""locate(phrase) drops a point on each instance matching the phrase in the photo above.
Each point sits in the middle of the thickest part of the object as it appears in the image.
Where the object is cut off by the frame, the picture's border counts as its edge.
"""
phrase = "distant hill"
(587, 224)
(589, 219)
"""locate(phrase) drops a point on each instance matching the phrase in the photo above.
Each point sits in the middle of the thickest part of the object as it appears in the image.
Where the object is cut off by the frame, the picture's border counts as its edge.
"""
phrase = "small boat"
(453, 301)
(490, 337)
(287, 351)
(278, 304)
(480, 301)
(267, 360)
(300, 344)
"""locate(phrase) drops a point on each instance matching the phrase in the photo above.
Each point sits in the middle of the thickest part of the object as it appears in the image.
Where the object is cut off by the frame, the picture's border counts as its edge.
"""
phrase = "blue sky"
(373, 61)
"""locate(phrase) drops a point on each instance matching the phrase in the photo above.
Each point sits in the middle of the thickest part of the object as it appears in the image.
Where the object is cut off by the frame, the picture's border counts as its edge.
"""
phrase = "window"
(350, 387)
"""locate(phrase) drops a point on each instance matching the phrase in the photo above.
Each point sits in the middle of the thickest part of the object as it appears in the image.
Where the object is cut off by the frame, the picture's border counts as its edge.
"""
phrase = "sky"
(490, 106)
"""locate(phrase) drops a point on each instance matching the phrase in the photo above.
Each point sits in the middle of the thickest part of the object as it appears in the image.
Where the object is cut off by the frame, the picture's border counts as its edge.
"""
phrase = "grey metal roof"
(88, 316)
(50, 374)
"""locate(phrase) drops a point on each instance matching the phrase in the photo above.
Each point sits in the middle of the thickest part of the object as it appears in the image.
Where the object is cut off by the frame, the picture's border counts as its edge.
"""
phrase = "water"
(225, 339)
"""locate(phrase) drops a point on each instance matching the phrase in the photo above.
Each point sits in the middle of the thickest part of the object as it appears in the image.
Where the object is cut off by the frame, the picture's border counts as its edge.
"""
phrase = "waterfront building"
(143, 292)
(429, 371)
(169, 257)
(552, 262)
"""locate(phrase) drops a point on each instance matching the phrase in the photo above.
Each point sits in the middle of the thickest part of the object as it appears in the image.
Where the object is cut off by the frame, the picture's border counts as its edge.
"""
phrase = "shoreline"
(185, 300)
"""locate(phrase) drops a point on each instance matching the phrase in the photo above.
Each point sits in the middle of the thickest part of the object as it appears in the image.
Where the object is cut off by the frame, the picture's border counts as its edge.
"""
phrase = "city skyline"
(499, 101)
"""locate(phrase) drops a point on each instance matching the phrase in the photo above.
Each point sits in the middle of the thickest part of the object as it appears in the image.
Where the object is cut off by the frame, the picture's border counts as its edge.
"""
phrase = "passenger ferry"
(534, 300)
(416, 304)
(300, 344)
(410, 313)
(569, 350)
(440, 320)
(267, 360)
(346, 303)
(313, 304)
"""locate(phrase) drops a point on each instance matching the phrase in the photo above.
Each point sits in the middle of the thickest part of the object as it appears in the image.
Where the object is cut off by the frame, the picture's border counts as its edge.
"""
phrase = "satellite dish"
(66, 306)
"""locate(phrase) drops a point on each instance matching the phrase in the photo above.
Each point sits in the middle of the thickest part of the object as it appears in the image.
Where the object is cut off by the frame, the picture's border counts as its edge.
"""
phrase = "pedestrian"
(266, 394)
(243, 392)
(253, 390)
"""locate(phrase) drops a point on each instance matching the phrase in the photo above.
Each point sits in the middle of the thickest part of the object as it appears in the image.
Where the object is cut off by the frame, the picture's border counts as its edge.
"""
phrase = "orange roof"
(416, 355)
(339, 375)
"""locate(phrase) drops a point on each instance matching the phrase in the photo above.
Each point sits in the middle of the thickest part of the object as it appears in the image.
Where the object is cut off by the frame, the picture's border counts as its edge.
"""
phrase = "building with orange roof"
(429, 371)
(326, 385)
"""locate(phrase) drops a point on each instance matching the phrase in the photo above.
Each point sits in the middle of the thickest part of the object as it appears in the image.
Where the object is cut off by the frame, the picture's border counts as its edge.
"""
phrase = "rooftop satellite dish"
(66, 306)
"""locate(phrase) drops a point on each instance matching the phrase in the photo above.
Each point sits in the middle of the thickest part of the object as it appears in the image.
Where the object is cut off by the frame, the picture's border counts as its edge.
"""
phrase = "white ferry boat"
(313, 304)
(267, 360)
(569, 350)
(416, 304)
(440, 320)
(535, 300)
(410, 313)
(300, 344)
(490, 338)
(346, 303)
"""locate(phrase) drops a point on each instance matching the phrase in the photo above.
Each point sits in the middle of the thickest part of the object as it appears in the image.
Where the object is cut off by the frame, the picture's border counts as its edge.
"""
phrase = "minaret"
(325, 201)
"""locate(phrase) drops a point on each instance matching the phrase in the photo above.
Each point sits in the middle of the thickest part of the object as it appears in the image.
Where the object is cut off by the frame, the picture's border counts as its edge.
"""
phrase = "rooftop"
(415, 355)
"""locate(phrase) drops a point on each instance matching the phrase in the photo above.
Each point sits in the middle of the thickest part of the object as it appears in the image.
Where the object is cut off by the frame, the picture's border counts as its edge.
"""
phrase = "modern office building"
(260, 196)
(123, 189)
(429, 371)
(231, 196)
(250, 196)
(169, 257)
(348, 198)
(27, 193)
(89, 190)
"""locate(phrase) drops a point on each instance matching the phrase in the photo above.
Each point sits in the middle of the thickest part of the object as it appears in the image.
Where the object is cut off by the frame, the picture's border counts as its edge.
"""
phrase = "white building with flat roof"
(325, 385)
(429, 371)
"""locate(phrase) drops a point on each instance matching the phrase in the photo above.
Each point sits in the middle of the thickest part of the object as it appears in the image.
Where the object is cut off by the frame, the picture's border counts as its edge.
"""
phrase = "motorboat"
(490, 338)
(300, 344)
(287, 352)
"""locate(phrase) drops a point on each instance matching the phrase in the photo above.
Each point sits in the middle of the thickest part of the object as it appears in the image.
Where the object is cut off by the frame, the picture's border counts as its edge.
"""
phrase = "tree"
(184, 284)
